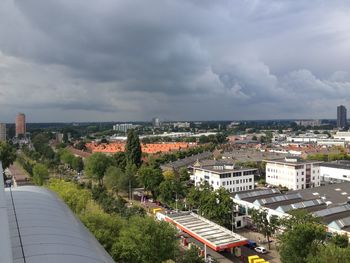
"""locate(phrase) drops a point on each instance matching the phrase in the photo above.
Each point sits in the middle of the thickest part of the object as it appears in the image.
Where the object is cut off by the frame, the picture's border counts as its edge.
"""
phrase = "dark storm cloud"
(177, 59)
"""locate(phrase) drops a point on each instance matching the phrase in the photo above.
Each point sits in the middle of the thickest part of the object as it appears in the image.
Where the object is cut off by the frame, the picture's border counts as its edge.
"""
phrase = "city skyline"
(183, 60)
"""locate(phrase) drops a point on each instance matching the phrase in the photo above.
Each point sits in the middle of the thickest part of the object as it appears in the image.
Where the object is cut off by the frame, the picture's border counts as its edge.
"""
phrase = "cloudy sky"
(119, 60)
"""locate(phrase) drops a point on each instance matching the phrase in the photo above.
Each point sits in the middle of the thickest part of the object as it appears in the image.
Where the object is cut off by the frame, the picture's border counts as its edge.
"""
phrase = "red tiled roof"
(150, 148)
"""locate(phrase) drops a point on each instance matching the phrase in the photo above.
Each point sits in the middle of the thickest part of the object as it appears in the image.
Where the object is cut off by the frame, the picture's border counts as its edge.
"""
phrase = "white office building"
(293, 173)
(234, 179)
(342, 135)
(123, 127)
(337, 171)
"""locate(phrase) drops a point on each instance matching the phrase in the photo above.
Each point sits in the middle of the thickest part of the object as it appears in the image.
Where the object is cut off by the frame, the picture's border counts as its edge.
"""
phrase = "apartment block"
(293, 173)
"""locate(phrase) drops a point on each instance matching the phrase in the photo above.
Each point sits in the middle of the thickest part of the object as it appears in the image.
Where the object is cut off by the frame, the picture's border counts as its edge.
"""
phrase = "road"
(20, 176)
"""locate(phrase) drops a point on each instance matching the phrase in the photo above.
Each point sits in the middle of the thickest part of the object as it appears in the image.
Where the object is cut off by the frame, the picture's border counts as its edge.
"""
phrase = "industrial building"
(336, 171)
(331, 203)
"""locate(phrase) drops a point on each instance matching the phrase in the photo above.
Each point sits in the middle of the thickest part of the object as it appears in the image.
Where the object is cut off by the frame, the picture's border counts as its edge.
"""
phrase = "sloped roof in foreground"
(43, 229)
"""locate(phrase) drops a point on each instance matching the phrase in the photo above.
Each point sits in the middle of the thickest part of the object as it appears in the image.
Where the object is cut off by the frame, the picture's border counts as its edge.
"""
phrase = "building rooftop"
(332, 194)
(213, 235)
(333, 213)
(186, 161)
(309, 205)
(340, 164)
(341, 224)
(276, 201)
(221, 166)
(292, 161)
(251, 196)
(43, 229)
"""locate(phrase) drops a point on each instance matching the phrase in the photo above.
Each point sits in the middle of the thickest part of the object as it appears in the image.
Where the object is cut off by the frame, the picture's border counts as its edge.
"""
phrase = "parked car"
(260, 250)
(251, 244)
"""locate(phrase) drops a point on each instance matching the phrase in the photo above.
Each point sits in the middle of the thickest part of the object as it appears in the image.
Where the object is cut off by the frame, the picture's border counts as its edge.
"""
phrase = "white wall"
(329, 173)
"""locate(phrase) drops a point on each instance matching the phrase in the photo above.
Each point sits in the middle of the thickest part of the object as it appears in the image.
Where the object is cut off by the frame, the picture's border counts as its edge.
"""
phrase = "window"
(223, 183)
(250, 180)
(237, 181)
(250, 187)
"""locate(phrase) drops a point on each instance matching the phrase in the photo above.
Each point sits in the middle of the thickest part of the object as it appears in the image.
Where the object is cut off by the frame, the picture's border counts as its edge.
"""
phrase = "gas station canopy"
(210, 234)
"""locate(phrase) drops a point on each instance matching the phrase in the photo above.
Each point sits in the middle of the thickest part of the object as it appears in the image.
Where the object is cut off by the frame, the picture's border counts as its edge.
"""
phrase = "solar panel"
(301, 205)
(257, 193)
(276, 199)
(333, 210)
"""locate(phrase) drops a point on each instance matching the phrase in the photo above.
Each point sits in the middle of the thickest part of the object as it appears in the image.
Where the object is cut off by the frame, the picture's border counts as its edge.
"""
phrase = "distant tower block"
(2, 132)
(341, 117)
(20, 124)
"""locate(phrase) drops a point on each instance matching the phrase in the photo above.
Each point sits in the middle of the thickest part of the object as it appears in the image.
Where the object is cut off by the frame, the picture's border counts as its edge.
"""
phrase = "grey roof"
(223, 166)
(5, 241)
(293, 161)
(186, 161)
(257, 193)
(333, 213)
(340, 164)
(275, 201)
(251, 155)
(307, 205)
(332, 194)
(332, 210)
(43, 229)
(340, 224)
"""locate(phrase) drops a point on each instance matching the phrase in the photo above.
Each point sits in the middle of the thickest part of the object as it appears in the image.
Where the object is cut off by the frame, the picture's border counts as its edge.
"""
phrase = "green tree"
(96, 166)
(133, 148)
(340, 240)
(150, 178)
(40, 173)
(78, 164)
(215, 205)
(265, 225)
(120, 160)
(145, 240)
(105, 227)
(302, 236)
(7, 155)
(184, 174)
(191, 256)
(330, 253)
(113, 179)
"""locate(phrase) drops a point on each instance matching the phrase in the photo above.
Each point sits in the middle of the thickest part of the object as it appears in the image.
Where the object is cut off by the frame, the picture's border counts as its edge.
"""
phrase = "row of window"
(236, 174)
(241, 188)
(237, 181)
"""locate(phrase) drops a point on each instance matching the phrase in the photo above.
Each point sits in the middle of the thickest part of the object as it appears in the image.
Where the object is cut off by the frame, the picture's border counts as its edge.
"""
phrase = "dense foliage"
(304, 240)
(133, 148)
(7, 154)
(133, 238)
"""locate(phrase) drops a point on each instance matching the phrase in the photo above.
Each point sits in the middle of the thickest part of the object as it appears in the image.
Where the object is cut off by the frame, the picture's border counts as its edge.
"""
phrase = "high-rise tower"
(2, 132)
(341, 117)
(20, 124)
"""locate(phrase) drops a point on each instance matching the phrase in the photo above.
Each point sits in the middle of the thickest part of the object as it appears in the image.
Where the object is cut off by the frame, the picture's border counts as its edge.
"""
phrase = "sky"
(128, 60)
